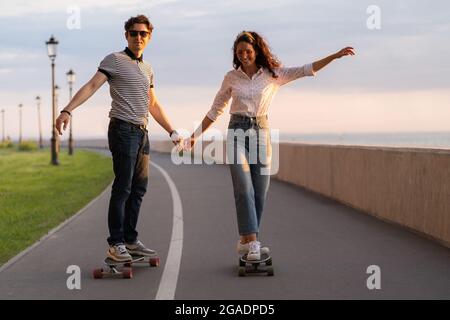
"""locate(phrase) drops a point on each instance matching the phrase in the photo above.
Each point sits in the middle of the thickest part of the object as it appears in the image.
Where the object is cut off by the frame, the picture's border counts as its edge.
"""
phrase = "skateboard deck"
(263, 265)
(123, 268)
(113, 263)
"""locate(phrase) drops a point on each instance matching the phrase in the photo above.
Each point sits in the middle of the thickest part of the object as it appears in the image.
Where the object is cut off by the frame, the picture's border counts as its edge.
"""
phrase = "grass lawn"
(36, 196)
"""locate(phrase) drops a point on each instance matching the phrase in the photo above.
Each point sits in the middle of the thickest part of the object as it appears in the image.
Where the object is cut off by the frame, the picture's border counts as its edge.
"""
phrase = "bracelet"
(68, 112)
(172, 132)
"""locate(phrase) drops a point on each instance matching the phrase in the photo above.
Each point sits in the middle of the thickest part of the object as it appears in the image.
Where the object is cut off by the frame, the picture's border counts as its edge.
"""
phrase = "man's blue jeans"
(249, 157)
(130, 150)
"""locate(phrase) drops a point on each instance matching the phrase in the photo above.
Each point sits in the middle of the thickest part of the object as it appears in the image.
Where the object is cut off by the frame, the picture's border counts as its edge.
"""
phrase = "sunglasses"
(134, 33)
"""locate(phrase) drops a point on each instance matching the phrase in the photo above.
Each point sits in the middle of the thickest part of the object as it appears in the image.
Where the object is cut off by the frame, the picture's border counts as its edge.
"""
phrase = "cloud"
(5, 56)
(192, 39)
(29, 7)
(191, 46)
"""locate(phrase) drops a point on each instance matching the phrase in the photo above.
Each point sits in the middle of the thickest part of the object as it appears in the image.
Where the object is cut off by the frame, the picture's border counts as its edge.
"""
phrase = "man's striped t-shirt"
(130, 80)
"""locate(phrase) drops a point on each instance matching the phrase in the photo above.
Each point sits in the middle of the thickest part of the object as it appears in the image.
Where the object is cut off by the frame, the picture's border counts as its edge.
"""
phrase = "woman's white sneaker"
(254, 251)
(243, 248)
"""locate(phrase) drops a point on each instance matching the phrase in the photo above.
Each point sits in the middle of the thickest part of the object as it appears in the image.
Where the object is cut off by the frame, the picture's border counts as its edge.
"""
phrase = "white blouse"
(252, 96)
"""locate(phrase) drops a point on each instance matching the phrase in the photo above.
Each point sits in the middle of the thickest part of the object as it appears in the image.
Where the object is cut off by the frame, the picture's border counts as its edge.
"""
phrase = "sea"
(431, 140)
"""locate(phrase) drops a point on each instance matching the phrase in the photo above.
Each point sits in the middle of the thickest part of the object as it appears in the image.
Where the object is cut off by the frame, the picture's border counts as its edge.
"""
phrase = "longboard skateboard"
(123, 268)
(264, 265)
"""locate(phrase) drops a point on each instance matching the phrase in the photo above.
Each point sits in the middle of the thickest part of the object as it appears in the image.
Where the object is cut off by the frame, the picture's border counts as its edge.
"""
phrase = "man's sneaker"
(254, 251)
(242, 248)
(118, 252)
(138, 248)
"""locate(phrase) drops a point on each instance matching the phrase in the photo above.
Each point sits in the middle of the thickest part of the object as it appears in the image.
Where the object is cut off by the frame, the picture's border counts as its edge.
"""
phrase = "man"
(133, 96)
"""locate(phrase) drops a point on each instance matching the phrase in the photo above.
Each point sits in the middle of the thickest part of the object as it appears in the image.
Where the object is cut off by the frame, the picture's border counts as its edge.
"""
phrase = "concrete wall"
(409, 187)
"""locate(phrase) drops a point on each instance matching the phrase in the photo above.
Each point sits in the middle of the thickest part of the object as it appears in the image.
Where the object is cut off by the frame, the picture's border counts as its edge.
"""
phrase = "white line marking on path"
(168, 284)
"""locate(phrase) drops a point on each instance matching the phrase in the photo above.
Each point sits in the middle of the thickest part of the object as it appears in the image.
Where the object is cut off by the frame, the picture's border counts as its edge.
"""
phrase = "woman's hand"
(347, 51)
(188, 144)
(319, 64)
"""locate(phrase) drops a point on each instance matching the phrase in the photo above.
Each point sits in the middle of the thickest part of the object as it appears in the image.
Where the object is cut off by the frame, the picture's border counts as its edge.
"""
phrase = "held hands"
(63, 119)
(347, 51)
(188, 144)
(177, 140)
(181, 143)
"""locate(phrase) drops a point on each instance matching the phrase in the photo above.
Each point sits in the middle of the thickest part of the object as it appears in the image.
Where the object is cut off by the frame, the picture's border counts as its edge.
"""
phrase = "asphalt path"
(321, 249)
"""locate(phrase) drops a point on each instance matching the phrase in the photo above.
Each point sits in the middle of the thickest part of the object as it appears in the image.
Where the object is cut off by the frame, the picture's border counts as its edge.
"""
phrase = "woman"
(252, 84)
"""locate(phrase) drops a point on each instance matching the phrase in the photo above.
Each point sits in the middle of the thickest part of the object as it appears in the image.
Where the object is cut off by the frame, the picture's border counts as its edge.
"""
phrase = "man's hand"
(177, 140)
(63, 118)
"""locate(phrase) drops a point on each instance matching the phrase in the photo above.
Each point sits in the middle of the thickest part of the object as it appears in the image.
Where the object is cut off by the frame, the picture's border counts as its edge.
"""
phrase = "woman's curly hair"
(264, 57)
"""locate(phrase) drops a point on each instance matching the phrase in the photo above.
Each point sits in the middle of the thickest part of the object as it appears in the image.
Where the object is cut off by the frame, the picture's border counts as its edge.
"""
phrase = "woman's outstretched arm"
(319, 64)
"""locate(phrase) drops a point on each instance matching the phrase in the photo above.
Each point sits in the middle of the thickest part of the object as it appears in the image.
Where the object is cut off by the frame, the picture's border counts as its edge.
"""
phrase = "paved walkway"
(321, 248)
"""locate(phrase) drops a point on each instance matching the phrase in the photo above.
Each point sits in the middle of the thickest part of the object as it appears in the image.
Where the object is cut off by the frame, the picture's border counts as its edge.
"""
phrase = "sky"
(397, 81)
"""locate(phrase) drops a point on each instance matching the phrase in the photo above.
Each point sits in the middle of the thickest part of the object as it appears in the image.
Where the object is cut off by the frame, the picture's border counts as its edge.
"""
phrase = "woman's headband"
(247, 34)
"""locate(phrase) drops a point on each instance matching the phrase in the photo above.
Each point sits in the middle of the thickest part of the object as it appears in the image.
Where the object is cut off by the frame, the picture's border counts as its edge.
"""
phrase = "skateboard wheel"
(269, 262)
(154, 262)
(128, 265)
(127, 273)
(241, 271)
(241, 263)
(98, 273)
(270, 271)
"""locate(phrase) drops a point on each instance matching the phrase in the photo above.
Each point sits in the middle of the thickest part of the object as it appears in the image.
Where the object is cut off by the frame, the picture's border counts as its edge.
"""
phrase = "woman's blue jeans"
(249, 156)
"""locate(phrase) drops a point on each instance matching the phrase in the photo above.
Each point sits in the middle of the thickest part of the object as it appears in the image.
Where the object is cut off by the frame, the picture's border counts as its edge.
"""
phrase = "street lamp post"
(38, 101)
(20, 123)
(3, 125)
(70, 81)
(57, 88)
(52, 44)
